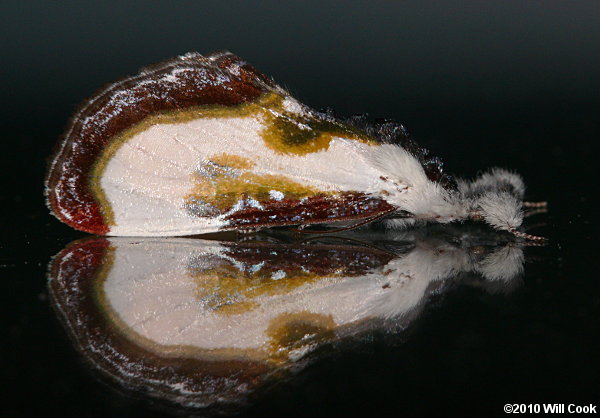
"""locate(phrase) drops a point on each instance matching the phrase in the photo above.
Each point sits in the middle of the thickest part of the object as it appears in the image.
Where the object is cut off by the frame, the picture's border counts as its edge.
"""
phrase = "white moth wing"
(149, 176)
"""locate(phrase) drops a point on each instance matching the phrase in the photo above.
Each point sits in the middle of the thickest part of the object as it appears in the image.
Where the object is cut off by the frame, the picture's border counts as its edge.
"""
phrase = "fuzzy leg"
(526, 236)
(532, 212)
(535, 204)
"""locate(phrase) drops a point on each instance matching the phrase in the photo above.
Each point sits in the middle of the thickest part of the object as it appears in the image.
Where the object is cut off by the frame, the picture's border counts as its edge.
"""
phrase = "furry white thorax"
(410, 190)
(495, 196)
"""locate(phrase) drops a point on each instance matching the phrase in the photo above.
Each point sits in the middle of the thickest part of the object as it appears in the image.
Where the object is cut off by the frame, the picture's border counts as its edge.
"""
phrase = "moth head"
(502, 210)
(496, 197)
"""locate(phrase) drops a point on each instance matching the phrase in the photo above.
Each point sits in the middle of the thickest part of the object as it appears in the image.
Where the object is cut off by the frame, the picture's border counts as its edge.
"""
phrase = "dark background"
(512, 84)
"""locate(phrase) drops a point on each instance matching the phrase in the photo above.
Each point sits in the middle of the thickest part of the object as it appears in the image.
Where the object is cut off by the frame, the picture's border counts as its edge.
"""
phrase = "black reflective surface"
(512, 85)
(196, 324)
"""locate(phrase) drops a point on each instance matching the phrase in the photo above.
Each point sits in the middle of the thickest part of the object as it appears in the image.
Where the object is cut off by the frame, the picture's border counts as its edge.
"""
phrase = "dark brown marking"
(313, 210)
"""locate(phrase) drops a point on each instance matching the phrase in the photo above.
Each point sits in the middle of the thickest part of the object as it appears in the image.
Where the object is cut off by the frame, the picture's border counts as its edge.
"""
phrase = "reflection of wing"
(76, 275)
(219, 316)
(233, 299)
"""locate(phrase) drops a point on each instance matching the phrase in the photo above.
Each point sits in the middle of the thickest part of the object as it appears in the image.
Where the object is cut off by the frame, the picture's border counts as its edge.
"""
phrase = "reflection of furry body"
(220, 316)
(220, 295)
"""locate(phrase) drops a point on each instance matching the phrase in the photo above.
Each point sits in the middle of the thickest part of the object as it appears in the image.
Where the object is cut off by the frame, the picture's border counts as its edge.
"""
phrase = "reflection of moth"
(198, 321)
(200, 144)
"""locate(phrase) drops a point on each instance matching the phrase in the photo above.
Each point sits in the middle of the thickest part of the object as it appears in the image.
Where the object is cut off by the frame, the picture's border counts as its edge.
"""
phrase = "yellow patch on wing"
(225, 179)
(228, 291)
(299, 134)
(232, 161)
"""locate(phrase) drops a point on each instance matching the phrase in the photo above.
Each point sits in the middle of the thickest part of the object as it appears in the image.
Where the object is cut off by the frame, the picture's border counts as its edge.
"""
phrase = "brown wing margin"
(217, 79)
(313, 210)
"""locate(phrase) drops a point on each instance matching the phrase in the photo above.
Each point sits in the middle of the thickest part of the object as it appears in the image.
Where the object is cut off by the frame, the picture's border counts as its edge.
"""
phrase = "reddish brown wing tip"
(221, 78)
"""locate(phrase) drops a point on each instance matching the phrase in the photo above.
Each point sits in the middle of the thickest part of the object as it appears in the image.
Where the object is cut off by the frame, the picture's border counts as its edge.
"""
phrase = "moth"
(200, 144)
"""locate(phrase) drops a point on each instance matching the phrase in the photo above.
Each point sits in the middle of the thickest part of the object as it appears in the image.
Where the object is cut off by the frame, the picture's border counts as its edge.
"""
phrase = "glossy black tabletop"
(512, 85)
